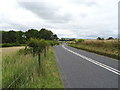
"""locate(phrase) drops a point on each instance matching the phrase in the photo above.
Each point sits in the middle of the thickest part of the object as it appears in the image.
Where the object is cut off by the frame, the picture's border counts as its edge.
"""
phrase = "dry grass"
(10, 50)
(105, 47)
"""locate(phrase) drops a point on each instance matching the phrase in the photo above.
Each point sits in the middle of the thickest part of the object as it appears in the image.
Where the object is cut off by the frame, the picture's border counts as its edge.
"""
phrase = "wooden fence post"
(45, 52)
(39, 58)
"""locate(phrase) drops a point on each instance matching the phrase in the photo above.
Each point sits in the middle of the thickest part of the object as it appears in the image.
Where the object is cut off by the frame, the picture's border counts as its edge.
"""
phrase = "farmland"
(33, 76)
(11, 50)
(104, 47)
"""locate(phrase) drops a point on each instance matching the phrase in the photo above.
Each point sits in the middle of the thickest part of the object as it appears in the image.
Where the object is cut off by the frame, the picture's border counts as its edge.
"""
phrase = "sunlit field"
(10, 50)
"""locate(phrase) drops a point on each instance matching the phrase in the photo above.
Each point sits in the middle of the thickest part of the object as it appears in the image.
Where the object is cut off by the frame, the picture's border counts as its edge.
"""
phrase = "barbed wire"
(18, 77)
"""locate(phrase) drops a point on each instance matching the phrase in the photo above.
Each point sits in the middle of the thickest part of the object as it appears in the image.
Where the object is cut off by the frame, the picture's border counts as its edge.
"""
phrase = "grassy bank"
(33, 76)
(108, 48)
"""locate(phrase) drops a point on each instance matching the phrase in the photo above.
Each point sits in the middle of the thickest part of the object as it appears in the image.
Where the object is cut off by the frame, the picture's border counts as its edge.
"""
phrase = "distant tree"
(73, 39)
(80, 40)
(54, 37)
(110, 38)
(102, 38)
(32, 33)
(20, 37)
(4, 37)
(99, 38)
(62, 39)
(11, 37)
(45, 34)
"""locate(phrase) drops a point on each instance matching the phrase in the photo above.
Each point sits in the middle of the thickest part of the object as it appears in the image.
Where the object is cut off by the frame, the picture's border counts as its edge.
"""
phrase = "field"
(108, 48)
(11, 50)
(23, 71)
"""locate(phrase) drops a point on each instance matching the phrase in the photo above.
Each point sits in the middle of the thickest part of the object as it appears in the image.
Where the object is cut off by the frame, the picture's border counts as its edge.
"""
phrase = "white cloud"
(66, 18)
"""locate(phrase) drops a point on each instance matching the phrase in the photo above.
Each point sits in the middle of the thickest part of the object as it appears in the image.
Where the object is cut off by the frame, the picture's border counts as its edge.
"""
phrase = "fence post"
(39, 58)
(45, 52)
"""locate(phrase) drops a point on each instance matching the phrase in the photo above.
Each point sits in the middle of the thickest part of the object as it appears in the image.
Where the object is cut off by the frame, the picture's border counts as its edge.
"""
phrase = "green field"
(108, 48)
(23, 71)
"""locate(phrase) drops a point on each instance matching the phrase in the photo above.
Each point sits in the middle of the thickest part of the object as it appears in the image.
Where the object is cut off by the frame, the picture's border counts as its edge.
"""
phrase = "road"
(82, 69)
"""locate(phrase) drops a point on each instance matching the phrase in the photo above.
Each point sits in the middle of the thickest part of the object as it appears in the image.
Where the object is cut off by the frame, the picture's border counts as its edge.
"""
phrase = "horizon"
(64, 37)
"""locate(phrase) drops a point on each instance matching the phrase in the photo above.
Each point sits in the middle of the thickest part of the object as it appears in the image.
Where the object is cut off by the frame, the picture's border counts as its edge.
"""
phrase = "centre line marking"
(94, 61)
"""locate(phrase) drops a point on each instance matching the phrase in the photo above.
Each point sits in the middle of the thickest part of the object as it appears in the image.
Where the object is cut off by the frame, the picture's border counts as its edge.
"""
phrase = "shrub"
(80, 40)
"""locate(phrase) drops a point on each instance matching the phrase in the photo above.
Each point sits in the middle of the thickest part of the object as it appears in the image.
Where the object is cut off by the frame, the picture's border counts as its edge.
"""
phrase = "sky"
(87, 19)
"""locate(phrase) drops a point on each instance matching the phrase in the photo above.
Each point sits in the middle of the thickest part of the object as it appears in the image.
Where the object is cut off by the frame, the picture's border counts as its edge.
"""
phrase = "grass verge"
(45, 76)
(106, 48)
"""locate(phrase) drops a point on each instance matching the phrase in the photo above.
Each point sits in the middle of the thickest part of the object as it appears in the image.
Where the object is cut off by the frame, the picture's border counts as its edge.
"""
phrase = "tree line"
(21, 37)
(109, 38)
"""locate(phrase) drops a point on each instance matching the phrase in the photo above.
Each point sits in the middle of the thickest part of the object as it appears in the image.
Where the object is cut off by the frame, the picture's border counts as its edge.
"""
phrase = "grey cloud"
(86, 3)
(13, 27)
(46, 11)
(92, 32)
(91, 4)
(64, 21)
(9, 25)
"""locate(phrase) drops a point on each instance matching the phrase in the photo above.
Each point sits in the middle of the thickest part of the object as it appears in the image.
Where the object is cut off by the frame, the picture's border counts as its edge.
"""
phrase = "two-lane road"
(82, 69)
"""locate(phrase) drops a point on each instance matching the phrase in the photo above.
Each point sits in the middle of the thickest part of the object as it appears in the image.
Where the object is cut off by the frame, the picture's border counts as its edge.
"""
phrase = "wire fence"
(17, 82)
(16, 79)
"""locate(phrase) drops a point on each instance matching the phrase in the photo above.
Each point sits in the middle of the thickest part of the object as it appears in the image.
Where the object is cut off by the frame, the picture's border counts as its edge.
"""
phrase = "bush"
(39, 45)
(24, 51)
(80, 40)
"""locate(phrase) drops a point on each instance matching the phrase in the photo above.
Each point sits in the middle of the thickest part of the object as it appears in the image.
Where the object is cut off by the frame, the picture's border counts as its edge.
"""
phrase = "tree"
(54, 37)
(11, 37)
(99, 38)
(32, 33)
(62, 39)
(80, 40)
(20, 37)
(37, 46)
(102, 38)
(4, 36)
(45, 34)
(110, 38)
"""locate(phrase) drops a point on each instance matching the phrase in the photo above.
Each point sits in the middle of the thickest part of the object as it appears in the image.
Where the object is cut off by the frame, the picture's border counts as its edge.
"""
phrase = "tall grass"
(104, 47)
(45, 76)
(0, 68)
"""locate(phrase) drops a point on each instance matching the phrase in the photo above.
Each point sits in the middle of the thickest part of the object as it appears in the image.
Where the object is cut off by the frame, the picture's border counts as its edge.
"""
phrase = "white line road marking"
(94, 61)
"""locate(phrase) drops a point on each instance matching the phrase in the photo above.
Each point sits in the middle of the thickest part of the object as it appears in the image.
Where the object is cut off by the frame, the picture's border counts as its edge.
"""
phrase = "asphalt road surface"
(82, 69)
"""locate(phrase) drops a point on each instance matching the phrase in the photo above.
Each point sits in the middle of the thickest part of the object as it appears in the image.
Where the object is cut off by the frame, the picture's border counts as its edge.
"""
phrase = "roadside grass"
(0, 68)
(33, 76)
(108, 48)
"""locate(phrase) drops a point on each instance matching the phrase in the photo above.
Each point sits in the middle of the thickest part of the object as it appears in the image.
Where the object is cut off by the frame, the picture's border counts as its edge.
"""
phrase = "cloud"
(46, 11)
(89, 3)
(66, 18)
